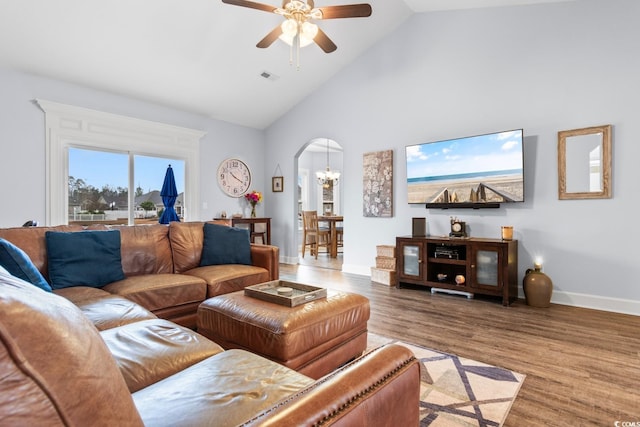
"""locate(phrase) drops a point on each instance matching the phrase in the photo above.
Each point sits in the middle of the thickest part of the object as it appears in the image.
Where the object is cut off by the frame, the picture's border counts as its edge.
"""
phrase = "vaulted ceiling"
(194, 55)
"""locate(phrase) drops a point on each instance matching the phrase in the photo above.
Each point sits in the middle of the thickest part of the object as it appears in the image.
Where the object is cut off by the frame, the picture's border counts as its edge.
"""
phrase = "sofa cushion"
(89, 258)
(149, 351)
(145, 249)
(80, 294)
(18, 263)
(186, 244)
(225, 278)
(238, 385)
(52, 357)
(103, 309)
(225, 245)
(160, 291)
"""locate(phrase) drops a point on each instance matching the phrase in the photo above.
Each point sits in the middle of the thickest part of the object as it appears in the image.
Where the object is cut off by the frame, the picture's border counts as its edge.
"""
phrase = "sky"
(491, 152)
(99, 168)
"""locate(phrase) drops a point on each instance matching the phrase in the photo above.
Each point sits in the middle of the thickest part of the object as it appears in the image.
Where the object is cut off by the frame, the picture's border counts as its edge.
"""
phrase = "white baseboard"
(288, 260)
(356, 269)
(595, 302)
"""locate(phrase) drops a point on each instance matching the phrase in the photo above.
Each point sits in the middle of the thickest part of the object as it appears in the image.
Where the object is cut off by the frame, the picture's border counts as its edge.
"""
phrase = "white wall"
(22, 144)
(544, 68)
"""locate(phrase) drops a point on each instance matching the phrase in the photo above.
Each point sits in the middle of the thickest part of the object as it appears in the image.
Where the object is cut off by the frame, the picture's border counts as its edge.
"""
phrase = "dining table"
(332, 220)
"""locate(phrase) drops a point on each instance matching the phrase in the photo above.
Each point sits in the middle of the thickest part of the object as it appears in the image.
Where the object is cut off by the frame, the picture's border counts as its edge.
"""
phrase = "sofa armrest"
(380, 386)
(266, 256)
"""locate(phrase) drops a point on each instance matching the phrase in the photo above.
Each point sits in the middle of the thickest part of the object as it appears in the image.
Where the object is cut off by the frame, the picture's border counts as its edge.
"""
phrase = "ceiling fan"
(297, 29)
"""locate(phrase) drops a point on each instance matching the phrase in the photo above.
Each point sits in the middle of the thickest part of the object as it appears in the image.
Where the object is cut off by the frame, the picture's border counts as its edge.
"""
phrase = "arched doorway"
(315, 156)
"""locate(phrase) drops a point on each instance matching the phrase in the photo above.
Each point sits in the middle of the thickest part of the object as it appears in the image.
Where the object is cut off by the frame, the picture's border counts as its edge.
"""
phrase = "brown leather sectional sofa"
(98, 357)
(161, 265)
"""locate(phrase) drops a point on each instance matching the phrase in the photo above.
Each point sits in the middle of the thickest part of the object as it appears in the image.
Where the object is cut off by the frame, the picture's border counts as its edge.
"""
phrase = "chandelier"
(327, 178)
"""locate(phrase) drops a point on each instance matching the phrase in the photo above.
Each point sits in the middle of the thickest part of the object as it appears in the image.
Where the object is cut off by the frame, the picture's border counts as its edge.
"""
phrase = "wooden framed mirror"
(584, 163)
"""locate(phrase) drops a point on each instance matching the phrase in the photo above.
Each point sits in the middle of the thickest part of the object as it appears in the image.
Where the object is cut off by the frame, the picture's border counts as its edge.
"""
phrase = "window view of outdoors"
(99, 187)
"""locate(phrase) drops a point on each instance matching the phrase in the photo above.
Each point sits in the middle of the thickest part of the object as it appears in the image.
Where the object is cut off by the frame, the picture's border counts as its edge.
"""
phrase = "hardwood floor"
(323, 261)
(582, 366)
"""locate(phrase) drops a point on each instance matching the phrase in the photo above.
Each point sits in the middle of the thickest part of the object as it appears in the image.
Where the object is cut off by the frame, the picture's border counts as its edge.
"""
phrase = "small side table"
(264, 235)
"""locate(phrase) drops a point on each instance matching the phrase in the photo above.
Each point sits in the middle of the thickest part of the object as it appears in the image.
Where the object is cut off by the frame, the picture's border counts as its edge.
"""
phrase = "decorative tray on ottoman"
(285, 293)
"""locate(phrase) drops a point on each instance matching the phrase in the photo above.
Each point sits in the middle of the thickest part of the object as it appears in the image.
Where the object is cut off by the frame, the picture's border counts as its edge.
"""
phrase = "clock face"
(234, 177)
(456, 226)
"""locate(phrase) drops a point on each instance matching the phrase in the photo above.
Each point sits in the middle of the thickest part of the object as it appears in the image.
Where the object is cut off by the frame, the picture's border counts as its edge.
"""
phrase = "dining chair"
(314, 236)
(259, 232)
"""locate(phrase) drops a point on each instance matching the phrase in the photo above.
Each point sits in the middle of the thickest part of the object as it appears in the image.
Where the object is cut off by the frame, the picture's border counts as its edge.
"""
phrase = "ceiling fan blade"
(270, 38)
(250, 4)
(324, 42)
(361, 10)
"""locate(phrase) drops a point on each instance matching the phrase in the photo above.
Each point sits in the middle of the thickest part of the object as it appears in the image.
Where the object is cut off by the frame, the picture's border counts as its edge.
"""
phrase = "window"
(70, 128)
(99, 187)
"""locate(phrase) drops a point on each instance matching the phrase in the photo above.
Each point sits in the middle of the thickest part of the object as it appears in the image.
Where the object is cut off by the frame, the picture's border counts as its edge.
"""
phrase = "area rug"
(456, 391)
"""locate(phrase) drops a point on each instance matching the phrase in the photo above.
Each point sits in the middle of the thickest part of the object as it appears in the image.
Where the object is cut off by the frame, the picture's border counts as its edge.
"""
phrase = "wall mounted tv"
(480, 171)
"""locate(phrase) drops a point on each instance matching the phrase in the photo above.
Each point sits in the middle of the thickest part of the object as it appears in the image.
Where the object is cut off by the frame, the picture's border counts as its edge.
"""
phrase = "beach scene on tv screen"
(475, 169)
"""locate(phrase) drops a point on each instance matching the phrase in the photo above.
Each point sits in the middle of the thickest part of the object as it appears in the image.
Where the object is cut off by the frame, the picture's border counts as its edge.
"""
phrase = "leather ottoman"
(312, 338)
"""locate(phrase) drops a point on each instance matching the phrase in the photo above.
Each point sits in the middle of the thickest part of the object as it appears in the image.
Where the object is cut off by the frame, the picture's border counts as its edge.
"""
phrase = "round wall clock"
(234, 177)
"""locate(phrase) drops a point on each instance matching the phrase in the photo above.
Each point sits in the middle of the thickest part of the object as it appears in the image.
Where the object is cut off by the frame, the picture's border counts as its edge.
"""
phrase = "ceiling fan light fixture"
(289, 28)
(297, 30)
(297, 6)
(305, 31)
(305, 41)
(290, 40)
(309, 31)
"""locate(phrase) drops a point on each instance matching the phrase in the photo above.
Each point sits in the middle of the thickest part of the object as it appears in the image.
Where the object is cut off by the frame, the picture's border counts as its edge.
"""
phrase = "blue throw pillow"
(225, 245)
(84, 258)
(18, 264)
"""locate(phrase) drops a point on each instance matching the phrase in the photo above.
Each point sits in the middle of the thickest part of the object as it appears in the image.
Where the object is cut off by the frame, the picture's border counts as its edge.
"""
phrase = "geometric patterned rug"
(460, 392)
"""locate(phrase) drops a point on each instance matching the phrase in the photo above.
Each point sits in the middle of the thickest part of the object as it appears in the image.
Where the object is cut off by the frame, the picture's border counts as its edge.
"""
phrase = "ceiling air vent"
(269, 76)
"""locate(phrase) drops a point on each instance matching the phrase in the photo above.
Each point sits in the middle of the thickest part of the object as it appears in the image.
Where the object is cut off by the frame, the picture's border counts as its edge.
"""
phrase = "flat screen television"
(477, 171)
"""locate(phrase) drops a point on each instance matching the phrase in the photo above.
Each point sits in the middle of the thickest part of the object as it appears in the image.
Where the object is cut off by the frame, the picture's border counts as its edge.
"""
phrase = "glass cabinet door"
(486, 267)
(410, 263)
(411, 256)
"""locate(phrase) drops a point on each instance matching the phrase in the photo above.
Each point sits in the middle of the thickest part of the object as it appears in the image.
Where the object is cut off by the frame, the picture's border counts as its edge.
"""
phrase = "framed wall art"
(377, 184)
(277, 184)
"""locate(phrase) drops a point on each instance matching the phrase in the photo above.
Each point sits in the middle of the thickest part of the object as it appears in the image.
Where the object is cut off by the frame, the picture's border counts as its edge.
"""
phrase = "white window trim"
(67, 125)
